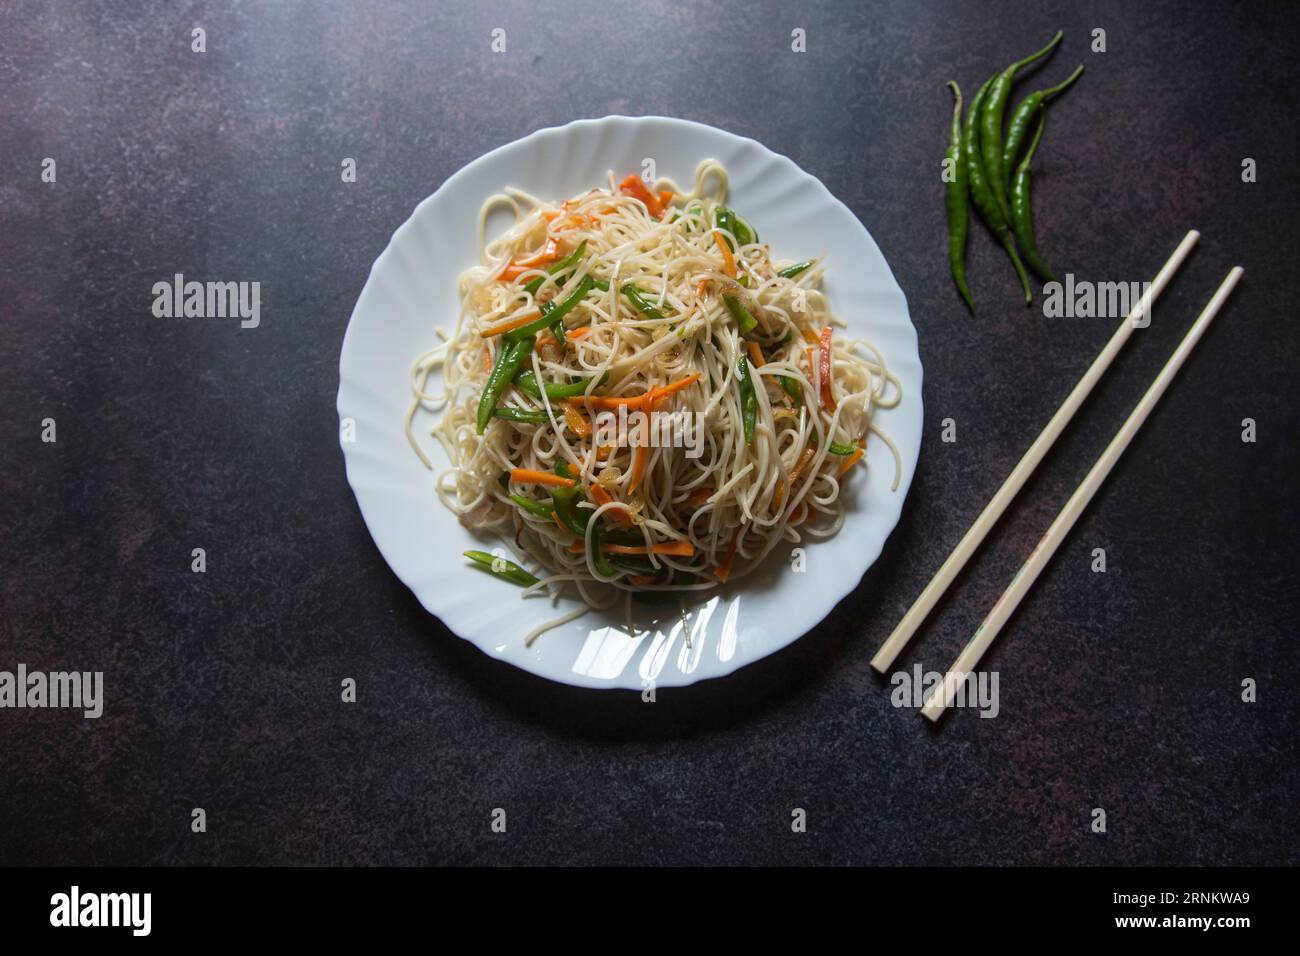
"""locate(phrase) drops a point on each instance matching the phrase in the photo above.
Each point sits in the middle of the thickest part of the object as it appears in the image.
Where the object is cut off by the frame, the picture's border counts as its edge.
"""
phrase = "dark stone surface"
(1119, 690)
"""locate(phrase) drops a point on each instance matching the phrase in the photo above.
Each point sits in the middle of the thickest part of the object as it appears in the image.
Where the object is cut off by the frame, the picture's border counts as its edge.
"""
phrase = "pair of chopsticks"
(942, 695)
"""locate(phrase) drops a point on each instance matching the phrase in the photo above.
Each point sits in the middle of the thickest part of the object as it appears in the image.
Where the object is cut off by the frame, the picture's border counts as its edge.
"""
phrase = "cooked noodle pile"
(669, 306)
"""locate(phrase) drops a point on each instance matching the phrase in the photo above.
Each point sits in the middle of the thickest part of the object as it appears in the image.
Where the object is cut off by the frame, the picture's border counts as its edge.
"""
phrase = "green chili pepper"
(536, 507)
(632, 538)
(527, 382)
(566, 508)
(630, 569)
(598, 559)
(992, 114)
(562, 469)
(568, 262)
(742, 315)
(506, 570)
(835, 448)
(632, 563)
(1022, 211)
(986, 204)
(792, 388)
(639, 303)
(790, 272)
(551, 313)
(743, 231)
(520, 415)
(543, 321)
(509, 360)
(748, 400)
(726, 221)
(1023, 115)
(958, 194)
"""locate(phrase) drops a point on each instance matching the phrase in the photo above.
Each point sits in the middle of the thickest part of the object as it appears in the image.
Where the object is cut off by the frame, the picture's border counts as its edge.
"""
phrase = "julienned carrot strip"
(577, 333)
(665, 197)
(650, 398)
(634, 187)
(699, 496)
(550, 253)
(531, 476)
(639, 457)
(675, 549)
(487, 360)
(755, 354)
(642, 580)
(849, 462)
(663, 391)
(577, 421)
(497, 329)
(809, 336)
(728, 260)
(723, 571)
(575, 220)
(801, 464)
(799, 514)
(828, 400)
(601, 496)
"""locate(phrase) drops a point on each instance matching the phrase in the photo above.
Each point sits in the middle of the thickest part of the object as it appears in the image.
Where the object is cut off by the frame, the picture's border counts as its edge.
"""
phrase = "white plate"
(412, 289)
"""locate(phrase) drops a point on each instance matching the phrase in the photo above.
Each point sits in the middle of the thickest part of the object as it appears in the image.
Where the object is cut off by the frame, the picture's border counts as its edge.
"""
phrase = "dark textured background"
(1118, 690)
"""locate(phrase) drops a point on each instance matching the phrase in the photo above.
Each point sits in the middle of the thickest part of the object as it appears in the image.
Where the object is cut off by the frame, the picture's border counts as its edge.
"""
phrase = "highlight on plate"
(591, 324)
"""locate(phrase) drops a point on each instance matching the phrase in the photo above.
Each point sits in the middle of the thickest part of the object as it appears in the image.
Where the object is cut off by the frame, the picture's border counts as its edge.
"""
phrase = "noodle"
(652, 516)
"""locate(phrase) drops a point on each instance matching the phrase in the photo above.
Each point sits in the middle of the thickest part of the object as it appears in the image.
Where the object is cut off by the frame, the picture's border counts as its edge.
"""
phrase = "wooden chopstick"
(924, 604)
(1006, 605)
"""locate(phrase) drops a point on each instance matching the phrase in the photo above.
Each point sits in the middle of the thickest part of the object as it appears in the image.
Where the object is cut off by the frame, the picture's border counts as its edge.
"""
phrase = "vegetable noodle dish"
(638, 401)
